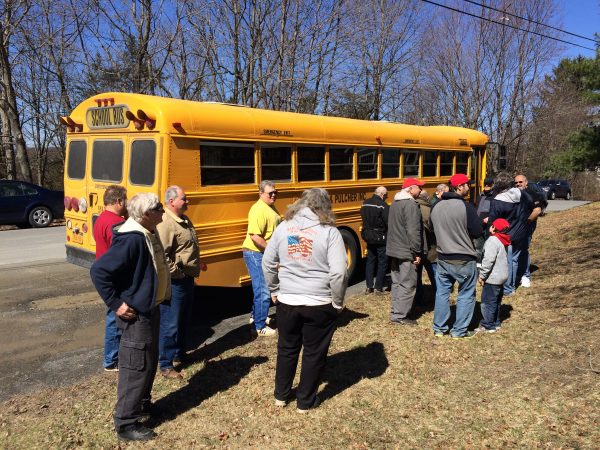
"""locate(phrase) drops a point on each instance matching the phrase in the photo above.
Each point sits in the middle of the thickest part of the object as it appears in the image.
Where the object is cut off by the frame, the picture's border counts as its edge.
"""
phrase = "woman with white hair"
(306, 269)
(132, 278)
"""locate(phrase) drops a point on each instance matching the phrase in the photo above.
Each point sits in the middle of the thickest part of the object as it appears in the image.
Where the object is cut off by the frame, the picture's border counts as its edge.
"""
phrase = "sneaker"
(439, 334)
(467, 335)
(281, 403)
(525, 282)
(266, 331)
(409, 322)
(314, 405)
(114, 367)
(171, 374)
(368, 291)
(482, 329)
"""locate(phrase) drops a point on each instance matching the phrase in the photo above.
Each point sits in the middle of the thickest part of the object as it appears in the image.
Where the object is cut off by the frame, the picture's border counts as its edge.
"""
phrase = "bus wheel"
(351, 251)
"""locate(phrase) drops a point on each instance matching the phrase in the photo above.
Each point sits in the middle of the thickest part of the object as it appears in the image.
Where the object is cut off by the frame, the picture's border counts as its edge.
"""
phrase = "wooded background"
(408, 61)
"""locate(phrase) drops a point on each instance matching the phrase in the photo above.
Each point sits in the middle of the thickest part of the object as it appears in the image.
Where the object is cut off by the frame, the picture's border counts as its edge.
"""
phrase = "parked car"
(556, 188)
(23, 203)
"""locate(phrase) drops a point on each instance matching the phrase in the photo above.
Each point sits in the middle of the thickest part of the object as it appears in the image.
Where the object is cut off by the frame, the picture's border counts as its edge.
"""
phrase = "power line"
(506, 13)
(507, 25)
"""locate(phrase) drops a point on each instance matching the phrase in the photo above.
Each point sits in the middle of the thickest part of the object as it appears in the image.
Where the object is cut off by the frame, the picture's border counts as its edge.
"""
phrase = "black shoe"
(136, 432)
(378, 292)
(368, 291)
(409, 322)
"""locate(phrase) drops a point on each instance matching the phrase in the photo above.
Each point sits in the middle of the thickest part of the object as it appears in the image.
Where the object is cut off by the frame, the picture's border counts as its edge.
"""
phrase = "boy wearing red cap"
(493, 274)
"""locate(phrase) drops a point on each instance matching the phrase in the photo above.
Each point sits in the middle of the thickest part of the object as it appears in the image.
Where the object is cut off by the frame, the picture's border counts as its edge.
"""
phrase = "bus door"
(108, 160)
(129, 161)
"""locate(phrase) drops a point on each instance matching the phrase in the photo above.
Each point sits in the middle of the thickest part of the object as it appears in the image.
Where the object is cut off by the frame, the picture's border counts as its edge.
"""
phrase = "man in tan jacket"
(179, 239)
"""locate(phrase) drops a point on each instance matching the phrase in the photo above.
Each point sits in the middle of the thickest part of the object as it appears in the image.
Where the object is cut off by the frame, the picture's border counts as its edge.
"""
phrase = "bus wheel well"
(352, 250)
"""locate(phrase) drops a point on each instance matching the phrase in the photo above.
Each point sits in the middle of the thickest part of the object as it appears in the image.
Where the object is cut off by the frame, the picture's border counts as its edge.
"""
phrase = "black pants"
(138, 358)
(376, 257)
(310, 327)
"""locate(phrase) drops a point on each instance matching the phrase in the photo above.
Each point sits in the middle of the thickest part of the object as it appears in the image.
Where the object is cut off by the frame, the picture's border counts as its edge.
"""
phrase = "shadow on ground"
(345, 369)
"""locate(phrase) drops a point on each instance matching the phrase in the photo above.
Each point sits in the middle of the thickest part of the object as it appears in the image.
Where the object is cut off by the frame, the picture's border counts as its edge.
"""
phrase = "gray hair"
(264, 184)
(113, 194)
(140, 204)
(171, 193)
(318, 201)
(442, 188)
(503, 181)
(424, 195)
(381, 190)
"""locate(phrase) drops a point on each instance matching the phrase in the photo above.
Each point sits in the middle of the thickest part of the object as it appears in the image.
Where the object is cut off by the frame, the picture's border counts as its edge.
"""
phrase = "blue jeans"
(491, 298)
(376, 257)
(262, 296)
(112, 337)
(172, 314)
(431, 268)
(465, 275)
(517, 258)
(527, 272)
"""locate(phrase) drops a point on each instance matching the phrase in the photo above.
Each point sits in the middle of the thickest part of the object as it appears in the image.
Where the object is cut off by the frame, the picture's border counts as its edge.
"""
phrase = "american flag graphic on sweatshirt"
(299, 244)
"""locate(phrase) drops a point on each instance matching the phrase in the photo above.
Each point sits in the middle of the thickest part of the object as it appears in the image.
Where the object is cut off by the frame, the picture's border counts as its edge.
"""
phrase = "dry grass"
(529, 386)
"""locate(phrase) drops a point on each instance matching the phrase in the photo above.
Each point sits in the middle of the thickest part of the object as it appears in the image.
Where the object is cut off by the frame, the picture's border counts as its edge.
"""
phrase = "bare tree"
(11, 14)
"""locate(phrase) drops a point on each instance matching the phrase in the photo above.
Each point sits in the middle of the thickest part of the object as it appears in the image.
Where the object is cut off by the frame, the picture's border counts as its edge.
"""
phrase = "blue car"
(23, 203)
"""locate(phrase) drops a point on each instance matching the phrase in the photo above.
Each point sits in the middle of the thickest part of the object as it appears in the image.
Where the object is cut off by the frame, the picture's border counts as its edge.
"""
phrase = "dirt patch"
(67, 301)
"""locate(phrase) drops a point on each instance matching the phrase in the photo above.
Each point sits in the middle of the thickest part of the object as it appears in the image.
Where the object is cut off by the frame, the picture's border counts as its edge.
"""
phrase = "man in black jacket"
(374, 213)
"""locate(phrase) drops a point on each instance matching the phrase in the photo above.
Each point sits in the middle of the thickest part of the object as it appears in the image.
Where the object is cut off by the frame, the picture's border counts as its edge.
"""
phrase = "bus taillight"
(82, 205)
(67, 203)
(84, 228)
(74, 204)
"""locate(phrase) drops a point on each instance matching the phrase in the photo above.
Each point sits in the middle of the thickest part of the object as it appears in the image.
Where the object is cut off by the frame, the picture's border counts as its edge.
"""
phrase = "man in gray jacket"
(405, 247)
(455, 224)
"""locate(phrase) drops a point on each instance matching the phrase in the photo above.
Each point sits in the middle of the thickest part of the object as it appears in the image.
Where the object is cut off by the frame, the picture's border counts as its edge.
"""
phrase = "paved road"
(563, 205)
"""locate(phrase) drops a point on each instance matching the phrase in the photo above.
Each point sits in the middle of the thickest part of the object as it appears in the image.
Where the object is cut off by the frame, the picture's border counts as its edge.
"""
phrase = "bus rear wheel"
(351, 251)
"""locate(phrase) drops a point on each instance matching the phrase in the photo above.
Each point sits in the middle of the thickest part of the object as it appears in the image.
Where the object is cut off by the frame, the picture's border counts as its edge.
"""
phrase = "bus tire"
(351, 251)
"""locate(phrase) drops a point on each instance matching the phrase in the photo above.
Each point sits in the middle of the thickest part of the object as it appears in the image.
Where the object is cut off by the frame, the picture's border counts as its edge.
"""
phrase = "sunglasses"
(272, 193)
(158, 208)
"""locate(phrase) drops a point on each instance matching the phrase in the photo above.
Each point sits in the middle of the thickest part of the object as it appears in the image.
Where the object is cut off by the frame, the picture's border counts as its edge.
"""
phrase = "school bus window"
(107, 161)
(446, 160)
(411, 164)
(429, 164)
(226, 163)
(76, 161)
(462, 162)
(311, 163)
(390, 163)
(143, 162)
(276, 162)
(367, 163)
(340, 163)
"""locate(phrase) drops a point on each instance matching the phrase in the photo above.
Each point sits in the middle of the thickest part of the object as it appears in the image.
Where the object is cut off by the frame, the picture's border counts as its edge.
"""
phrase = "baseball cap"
(489, 181)
(408, 182)
(501, 225)
(458, 179)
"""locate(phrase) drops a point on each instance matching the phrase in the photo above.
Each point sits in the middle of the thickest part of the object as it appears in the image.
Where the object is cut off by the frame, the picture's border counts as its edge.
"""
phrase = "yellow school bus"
(219, 153)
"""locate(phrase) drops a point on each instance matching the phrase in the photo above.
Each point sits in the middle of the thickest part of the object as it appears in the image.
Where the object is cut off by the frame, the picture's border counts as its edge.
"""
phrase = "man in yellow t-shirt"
(263, 218)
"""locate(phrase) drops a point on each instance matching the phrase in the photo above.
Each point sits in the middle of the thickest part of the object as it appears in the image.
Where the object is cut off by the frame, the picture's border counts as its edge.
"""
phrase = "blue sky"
(580, 17)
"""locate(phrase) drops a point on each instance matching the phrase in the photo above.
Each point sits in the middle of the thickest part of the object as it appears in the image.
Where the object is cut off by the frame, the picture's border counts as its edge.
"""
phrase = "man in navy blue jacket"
(514, 205)
(132, 278)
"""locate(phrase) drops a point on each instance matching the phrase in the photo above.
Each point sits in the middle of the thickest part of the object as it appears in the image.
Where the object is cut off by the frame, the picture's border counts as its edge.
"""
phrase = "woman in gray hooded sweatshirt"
(306, 269)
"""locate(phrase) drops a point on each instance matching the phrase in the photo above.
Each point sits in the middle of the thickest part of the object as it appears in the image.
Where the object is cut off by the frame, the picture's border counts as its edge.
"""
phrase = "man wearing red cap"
(456, 224)
(405, 247)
